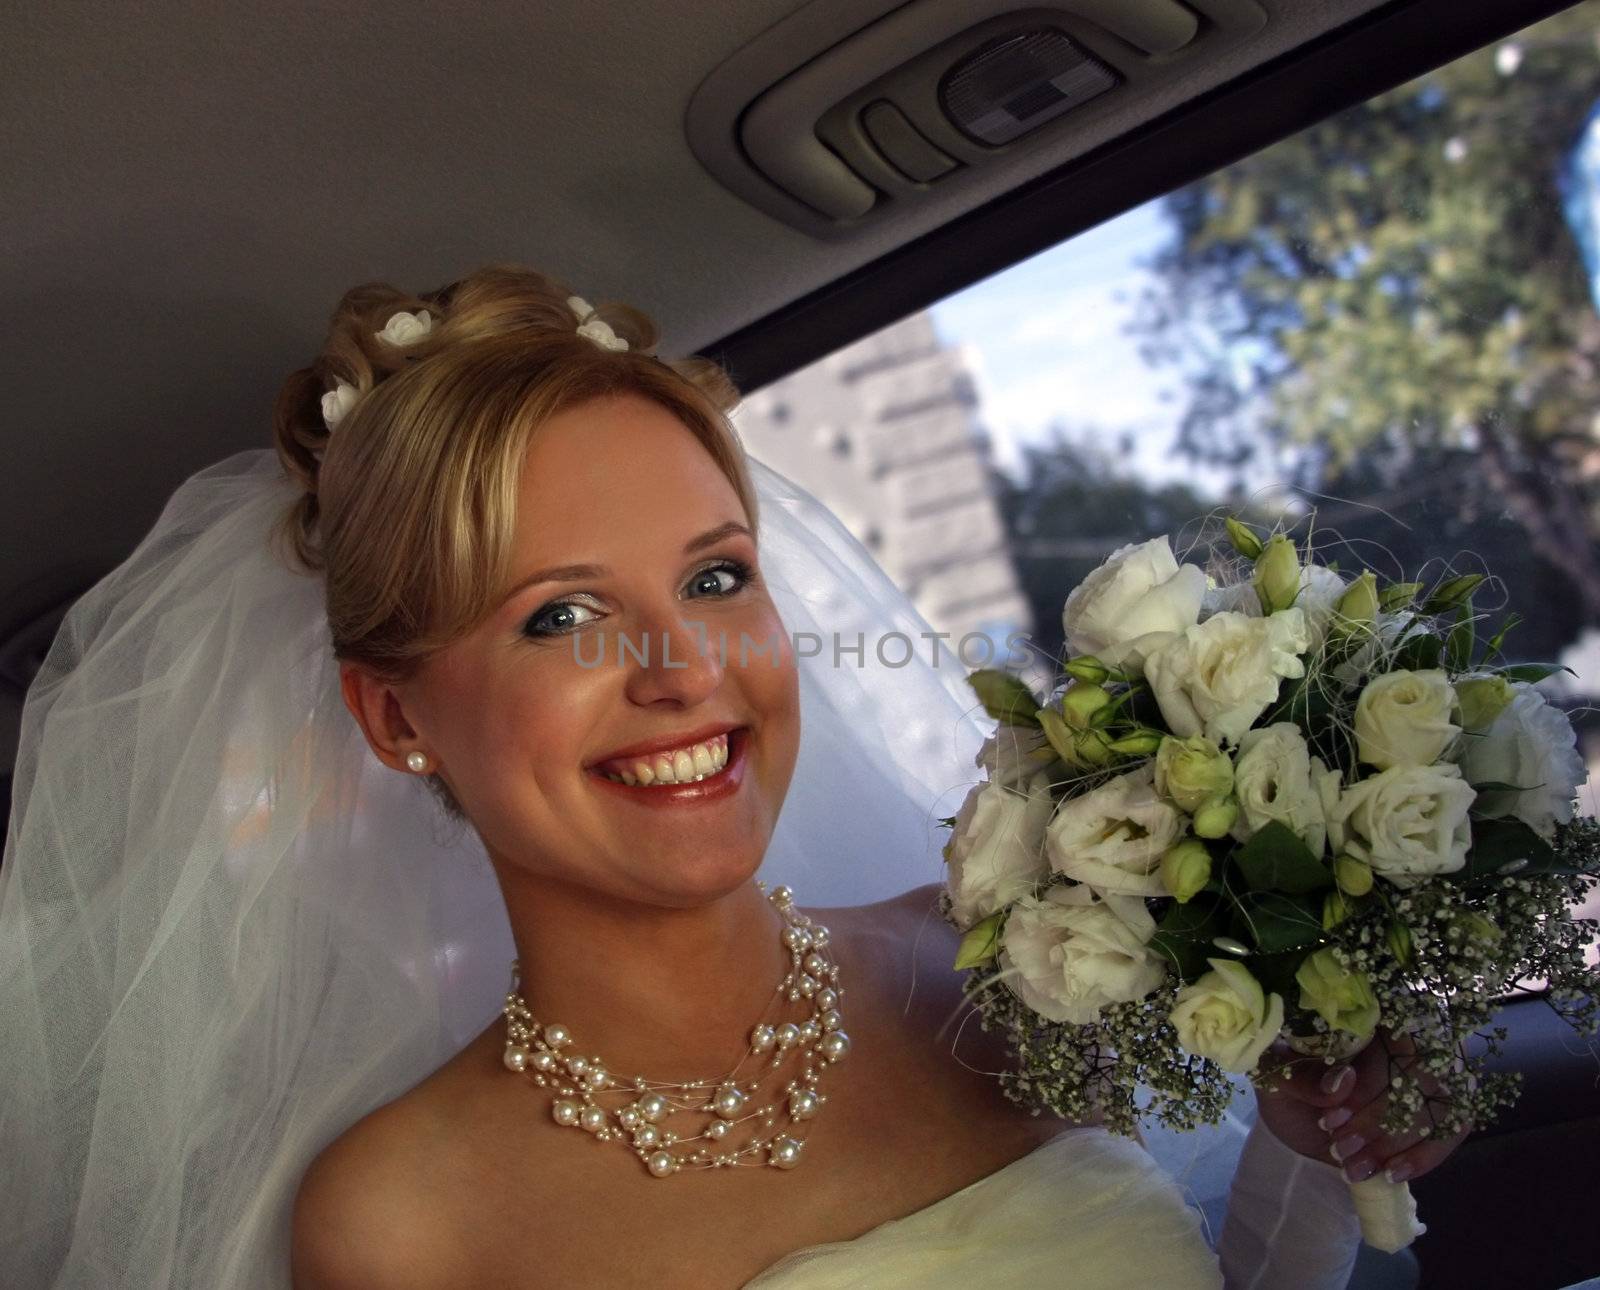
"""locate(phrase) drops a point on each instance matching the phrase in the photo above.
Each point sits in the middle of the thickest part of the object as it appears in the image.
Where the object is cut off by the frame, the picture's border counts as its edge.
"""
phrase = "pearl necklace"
(640, 1123)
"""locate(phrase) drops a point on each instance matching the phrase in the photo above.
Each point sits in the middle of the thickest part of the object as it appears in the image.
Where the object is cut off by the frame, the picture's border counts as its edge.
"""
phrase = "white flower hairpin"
(592, 328)
(337, 402)
(403, 328)
(406, 328)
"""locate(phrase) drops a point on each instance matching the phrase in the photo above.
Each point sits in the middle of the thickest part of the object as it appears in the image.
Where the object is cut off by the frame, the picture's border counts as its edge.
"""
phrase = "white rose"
(1227, 1017)
(405, 328)
(1403, 719)
(1320, 589)
(1408, 822)
(1113, 837)
(1072, 953)
(1277, 778)
(1014, 754)
(996, 850)
(1218, 677)
(1532, 746)
(1132, 603)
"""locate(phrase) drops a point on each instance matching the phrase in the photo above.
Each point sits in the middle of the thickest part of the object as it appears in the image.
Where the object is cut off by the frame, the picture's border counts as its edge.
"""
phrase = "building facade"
(886, 433)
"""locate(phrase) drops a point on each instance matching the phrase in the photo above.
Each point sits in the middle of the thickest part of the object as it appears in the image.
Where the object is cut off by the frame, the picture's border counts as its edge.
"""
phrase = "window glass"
(1391, 320)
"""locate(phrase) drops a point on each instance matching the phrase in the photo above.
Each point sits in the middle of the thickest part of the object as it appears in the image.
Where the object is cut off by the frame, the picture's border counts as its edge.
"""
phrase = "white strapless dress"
(1086, 1209)
(1093, 1210)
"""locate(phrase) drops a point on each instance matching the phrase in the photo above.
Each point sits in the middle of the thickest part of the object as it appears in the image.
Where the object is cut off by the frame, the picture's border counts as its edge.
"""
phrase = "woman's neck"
(666, 994)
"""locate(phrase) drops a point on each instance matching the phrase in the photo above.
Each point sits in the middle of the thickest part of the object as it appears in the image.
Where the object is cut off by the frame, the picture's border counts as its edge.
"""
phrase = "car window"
(1392, 318)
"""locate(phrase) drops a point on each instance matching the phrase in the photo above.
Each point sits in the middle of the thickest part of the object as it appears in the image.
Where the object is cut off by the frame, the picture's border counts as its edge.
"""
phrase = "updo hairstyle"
(409, 504)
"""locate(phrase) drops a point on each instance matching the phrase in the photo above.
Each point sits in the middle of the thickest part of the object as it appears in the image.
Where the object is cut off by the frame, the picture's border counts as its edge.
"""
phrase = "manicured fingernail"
(1334, 1118)
(1361, 1172)
(1334, 1079)
(1347, 1146)
(1397, 1173)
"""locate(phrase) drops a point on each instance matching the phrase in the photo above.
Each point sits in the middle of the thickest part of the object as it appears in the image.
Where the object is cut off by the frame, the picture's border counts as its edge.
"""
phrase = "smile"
(687, 765)
(703, 771)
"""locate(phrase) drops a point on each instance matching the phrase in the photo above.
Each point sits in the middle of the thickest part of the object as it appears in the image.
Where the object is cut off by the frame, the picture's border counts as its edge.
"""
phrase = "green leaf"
(1458, 646)
(1419, 652)
(981, 943)
(1533, 673)
(1309, 703)
(1498, 639)
(1004, 697)
(1275, 859)
(1498, 843)
(1183, 936)
(1276, 922)
(1276, 972)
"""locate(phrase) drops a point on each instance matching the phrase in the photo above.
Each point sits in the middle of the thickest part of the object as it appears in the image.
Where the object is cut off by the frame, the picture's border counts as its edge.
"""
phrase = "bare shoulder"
(364, 1212)
(912, 952)
(929, 940)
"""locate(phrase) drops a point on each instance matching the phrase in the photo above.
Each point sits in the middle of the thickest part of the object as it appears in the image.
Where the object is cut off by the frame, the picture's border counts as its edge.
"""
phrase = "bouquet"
(1270, 800)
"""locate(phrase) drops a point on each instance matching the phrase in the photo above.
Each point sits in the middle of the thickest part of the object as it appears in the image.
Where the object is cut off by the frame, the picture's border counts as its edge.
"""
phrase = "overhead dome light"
(1017, 83)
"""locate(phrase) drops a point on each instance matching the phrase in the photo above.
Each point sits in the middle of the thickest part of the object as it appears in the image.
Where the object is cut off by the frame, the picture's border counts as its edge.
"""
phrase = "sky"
(1048, 343)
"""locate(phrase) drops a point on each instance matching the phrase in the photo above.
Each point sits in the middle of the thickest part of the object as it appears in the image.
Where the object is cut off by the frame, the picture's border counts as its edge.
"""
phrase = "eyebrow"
(578, 572)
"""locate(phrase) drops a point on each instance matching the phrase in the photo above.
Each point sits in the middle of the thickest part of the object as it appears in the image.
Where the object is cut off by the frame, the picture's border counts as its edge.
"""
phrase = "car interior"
(190, 187)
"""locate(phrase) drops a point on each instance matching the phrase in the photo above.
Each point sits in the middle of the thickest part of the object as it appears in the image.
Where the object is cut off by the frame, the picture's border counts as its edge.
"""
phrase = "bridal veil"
(227, 932)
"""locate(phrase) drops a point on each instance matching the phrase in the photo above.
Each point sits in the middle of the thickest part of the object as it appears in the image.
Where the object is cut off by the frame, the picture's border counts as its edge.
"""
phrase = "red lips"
(663, 743)
(723, 783)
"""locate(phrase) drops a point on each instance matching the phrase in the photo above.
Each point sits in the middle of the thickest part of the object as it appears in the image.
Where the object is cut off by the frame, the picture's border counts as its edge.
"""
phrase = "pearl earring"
(416, 762)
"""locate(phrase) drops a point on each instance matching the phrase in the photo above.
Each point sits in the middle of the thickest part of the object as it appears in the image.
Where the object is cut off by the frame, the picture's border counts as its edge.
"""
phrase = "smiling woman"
(409, 509)
(517, 711)
(248, 983)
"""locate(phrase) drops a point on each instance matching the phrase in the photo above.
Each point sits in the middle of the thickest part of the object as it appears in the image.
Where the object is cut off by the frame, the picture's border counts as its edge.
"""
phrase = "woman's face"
(632, 563)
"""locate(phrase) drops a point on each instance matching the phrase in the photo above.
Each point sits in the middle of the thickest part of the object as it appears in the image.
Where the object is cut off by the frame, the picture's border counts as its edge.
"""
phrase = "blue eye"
(556, 619)
(723, 578)
(560, 617)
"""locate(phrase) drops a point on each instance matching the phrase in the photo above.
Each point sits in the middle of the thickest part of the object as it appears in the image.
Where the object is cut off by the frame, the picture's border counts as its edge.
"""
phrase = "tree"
(1399, 282)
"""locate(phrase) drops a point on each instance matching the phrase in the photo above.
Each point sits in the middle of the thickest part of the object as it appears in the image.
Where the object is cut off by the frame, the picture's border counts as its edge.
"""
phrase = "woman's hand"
(1334, 1113)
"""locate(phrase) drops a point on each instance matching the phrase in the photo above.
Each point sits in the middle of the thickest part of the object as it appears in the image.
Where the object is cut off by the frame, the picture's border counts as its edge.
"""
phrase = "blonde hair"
(410, 505)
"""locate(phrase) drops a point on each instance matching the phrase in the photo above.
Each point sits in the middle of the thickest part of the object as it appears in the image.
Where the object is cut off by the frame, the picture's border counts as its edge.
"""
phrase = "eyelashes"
(557, 617)
(743, 574)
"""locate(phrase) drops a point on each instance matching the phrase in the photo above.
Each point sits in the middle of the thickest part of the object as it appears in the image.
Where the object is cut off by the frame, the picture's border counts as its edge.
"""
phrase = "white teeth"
(681, 766)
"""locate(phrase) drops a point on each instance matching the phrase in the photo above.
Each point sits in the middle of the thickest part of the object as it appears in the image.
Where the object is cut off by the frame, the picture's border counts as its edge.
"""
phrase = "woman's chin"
(688, 877)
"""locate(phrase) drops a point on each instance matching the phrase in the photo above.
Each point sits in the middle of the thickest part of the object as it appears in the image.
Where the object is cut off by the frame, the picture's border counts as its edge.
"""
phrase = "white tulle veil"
(227, 932)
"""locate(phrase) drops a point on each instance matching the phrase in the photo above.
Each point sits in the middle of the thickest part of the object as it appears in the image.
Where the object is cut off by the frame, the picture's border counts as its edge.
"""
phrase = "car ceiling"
(190, 187)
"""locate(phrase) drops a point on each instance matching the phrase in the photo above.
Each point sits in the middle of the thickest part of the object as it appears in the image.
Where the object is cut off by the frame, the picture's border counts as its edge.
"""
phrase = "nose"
(673, 662)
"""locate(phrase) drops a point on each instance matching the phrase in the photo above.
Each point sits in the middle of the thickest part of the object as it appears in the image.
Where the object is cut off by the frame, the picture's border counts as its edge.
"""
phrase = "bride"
(239, 929)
